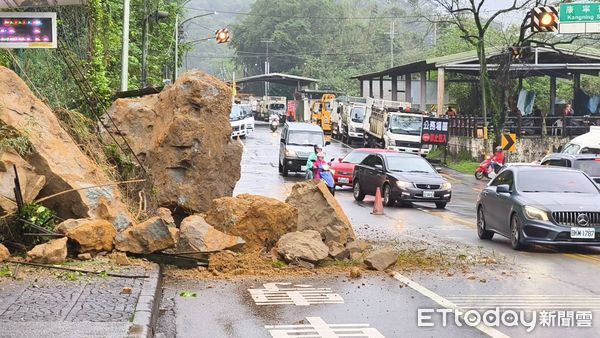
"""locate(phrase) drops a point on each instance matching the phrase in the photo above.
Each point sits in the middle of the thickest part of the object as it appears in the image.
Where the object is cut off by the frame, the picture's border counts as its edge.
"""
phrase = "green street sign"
(579, 13)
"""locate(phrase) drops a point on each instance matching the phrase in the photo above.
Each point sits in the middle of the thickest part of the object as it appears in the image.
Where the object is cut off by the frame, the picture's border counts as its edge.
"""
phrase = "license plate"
(583, 233)
(428, 194)
(343, 180)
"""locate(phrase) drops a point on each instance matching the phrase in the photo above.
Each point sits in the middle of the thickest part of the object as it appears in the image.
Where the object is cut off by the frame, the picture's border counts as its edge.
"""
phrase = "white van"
(588, 143)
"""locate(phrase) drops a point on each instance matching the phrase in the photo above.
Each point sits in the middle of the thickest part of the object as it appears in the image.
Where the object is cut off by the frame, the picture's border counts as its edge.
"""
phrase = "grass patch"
(465, 167)
(11, 139)
(461, 162)
(342, 263)
(5, 271)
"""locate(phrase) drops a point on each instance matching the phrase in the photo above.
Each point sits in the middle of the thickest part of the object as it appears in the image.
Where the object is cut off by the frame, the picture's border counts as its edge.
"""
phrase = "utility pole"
(267, 65)
(125, 48)
(392, 33)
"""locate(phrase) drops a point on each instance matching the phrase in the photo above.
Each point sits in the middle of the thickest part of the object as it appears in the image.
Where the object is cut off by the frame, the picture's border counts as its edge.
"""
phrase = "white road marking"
(317, 327)
(299, 295)
(445, 303)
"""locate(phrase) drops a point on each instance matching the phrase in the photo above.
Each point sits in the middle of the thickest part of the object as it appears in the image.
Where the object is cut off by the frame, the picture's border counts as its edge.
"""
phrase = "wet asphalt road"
(542, 278)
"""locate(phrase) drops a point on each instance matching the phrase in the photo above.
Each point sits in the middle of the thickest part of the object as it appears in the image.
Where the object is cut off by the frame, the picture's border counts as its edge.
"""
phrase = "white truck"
(273, 104)
(387, 126)
(237, 121)
(352, 117)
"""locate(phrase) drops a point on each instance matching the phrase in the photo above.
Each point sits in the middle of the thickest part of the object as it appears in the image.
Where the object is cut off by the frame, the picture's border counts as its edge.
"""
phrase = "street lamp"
(177, 26)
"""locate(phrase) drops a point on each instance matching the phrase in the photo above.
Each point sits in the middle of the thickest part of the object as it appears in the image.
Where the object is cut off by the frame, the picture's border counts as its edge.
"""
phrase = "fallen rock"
(90, 235)
(382, 259)
(259, 220)
(355, 249)
(355, 273)
(174, 234)
(338, 251)
(4, 253)
(319, 210)
(197, 235)
(165, 215)
(51, 252)
(120, 258)
(31, 183)
(57, 157)
(84, 256)
(302, 246)
(183, 137)
(144, 238)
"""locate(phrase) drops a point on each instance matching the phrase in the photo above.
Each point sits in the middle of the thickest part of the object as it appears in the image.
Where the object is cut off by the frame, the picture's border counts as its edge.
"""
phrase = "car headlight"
(446, 186)
(536, 214)
(404, 185)
(291, 153)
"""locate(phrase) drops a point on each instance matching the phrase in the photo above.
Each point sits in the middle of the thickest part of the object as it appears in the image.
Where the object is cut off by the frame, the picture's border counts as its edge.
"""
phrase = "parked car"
(402, 177)
(588, 143)
(248, 117)
(344, 167)
(296, 144)
(540, 205)
(588, 163)
(236, 119)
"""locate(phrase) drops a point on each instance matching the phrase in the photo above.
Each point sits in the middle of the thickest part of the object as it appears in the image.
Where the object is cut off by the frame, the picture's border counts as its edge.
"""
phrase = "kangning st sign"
(579, 18)
(28, 30)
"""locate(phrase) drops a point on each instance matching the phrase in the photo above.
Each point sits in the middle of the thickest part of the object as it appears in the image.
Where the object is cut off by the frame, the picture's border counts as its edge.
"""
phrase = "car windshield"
(305, 138)
(555, 181)
(236, 113)
(409, 164)
(358, 114)
(588, 166)
(247, 110)
(355, 157)
(406, 125)
(277, 106)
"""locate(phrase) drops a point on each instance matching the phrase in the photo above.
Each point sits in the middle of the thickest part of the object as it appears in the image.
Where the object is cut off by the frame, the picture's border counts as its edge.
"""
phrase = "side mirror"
(503, 189)
(379, 166)
(560, 149)
(439, 169)
(333, 159)
(327, 143)
(386, 125)
(340, 159)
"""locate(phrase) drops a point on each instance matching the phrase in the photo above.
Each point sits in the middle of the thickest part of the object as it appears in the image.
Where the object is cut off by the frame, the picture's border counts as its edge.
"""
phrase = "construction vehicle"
(321, 112)
(390, 125)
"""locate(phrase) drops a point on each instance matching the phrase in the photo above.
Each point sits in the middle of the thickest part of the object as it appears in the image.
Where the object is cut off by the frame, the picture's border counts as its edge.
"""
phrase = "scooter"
(327, 177)
(485, 169)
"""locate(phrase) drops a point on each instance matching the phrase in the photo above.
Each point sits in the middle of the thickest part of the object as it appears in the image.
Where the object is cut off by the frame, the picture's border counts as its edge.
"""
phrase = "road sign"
(28, 30)
(435, 131)
(579, 18)
(509, 142)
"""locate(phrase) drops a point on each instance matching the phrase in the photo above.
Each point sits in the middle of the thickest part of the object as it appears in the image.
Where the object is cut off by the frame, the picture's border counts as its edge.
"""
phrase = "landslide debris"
(182, 137)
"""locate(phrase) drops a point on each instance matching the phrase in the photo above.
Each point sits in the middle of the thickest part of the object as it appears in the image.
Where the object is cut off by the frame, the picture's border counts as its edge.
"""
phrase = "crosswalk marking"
(318, 328)
(299, 295)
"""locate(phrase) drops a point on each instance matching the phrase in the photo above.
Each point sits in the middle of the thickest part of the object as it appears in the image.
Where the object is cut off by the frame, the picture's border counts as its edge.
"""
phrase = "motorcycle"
(326, 174)
(486, 169)
(274, 125)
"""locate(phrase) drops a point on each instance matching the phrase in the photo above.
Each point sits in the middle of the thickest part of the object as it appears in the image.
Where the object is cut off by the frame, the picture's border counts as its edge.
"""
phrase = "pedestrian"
(568, 111)
(309, 174)
(318, 165)
(450, 112)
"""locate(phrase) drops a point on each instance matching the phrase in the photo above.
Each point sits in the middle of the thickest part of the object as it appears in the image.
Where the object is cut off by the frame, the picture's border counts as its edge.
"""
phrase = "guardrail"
(526, 126)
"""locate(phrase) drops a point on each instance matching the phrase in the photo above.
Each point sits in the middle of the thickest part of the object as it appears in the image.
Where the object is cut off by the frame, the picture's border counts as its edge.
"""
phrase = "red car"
(344, 167)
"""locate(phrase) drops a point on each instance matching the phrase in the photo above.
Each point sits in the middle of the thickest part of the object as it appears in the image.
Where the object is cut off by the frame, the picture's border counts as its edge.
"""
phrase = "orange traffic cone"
(378, 205)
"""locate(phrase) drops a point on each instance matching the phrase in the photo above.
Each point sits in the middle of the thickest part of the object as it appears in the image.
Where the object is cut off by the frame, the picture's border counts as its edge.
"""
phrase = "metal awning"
(285, 79)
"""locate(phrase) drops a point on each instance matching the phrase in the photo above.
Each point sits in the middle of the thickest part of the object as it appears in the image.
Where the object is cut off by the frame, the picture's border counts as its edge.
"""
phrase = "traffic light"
(544, 19)
(222, 35)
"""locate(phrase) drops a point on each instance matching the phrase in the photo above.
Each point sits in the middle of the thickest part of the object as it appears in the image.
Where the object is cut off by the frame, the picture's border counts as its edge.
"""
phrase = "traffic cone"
(378, 205)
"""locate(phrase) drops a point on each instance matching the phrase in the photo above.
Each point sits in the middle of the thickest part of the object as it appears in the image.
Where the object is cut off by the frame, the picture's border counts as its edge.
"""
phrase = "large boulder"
(197, 235)
(4, 253)
(57, 157)
(259, 220)
(90, 235)
(319, 210)
(147, 237)
(30, 182)
(382, 259)
(183, 137)
(302, 245)
(51, 252)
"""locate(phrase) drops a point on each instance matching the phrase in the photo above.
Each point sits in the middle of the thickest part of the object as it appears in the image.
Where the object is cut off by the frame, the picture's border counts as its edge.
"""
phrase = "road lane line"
(445, 303)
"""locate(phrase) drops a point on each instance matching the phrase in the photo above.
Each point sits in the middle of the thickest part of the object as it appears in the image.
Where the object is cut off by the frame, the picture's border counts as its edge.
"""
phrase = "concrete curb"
(146, 310)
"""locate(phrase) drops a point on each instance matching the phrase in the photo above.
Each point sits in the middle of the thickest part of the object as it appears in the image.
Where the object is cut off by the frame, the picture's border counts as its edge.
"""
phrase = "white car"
(238, 122)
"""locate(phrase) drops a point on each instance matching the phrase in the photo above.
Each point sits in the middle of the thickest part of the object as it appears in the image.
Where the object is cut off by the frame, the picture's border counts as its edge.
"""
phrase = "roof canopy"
(285, 79)
(559, 61)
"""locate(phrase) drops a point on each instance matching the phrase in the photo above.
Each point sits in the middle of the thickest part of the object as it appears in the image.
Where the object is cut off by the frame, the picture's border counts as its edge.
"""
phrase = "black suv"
(588, 163)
